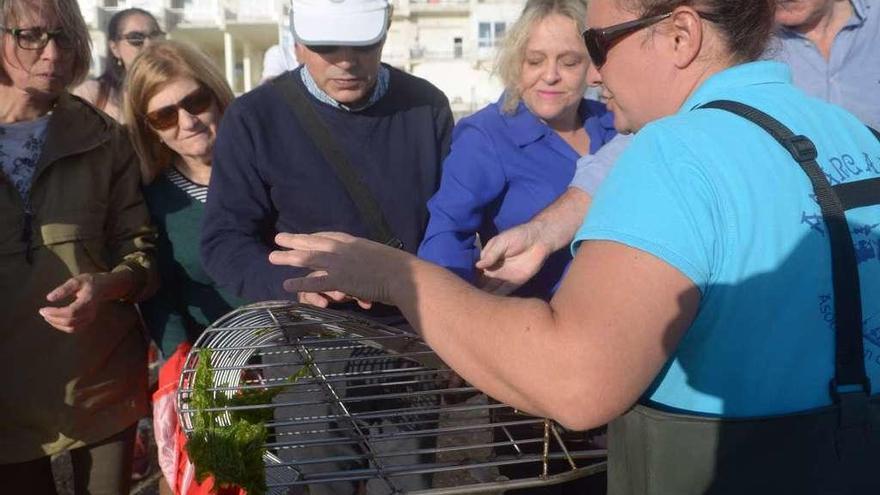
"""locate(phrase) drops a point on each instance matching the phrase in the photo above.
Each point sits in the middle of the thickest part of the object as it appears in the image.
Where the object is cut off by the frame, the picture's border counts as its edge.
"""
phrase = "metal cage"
(352, 406)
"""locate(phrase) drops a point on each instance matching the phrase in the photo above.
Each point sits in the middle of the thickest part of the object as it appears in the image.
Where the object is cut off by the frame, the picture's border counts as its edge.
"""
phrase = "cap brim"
(353, 29)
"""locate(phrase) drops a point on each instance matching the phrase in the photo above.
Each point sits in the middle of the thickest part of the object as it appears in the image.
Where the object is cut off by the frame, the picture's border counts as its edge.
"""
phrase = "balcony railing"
(253, 11)
(104, 9)
(195, 13)
(421, 53)
(439, 6)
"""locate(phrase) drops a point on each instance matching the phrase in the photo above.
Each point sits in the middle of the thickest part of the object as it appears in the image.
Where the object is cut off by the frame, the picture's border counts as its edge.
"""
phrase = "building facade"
(451, 43)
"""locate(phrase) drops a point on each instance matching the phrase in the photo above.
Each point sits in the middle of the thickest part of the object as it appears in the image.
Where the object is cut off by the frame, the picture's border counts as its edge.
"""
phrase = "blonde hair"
(513, 48)
(156, 66)
(72, 23)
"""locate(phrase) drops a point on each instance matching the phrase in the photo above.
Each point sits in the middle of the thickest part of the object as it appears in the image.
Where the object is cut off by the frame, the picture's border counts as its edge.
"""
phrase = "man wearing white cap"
(342, 143)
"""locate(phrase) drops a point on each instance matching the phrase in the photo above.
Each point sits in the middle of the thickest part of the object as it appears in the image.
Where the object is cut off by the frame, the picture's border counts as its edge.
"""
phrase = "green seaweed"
(232, 454)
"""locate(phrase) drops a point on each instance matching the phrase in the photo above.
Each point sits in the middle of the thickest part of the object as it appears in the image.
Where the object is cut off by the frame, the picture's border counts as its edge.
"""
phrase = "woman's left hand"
(88, 291)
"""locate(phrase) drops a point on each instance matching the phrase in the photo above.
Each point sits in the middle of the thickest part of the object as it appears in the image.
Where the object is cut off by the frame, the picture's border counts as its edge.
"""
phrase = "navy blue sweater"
(269, 177)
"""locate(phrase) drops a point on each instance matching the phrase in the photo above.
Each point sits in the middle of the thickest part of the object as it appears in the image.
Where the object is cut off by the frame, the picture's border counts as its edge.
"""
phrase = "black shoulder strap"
(311, 122)
(850, 373)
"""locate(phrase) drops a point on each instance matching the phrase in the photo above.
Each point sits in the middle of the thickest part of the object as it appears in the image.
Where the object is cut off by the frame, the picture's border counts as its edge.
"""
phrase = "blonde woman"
(514, 157)
(76, 253)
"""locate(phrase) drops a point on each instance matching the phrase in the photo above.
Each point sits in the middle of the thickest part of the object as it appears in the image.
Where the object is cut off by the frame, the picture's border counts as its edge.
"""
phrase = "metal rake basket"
(352, 406)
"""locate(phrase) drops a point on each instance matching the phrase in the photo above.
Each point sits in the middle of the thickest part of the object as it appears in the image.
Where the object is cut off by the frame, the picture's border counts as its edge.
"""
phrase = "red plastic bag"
(179, 472)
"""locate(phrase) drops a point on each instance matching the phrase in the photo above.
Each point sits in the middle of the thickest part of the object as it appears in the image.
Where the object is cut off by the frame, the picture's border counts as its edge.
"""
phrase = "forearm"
(558, 223)
(519, 349)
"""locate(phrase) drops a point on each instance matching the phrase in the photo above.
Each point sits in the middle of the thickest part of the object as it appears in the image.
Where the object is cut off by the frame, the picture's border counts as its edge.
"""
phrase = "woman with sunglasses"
(128, 32)
(721, 309)
(76, 253)
(175, 99)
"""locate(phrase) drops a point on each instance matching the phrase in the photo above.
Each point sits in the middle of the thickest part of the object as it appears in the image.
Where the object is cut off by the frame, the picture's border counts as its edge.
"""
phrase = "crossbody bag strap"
(850, 377)
(311, 122)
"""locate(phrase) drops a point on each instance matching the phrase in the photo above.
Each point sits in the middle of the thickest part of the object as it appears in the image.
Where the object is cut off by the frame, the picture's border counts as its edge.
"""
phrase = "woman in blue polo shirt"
(721, 310)
(514, 157)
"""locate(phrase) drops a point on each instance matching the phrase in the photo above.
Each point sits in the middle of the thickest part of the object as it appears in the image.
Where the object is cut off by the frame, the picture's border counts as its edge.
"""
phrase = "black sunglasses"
(328, 49)
(38, 38)
(600, 40)
(194, 103)
(137, 38)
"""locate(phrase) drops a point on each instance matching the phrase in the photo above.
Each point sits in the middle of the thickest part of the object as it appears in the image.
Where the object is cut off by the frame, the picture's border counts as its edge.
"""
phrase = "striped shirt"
(196, 191)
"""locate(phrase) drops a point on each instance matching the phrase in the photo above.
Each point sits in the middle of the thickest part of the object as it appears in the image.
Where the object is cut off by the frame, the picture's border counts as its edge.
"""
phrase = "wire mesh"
(352, 406)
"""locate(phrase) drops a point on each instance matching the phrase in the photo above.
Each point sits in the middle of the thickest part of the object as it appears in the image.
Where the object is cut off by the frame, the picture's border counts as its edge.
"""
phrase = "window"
(489, 34)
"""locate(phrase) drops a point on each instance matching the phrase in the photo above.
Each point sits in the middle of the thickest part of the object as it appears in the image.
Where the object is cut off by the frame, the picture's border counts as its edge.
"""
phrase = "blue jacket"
(501, 171)
(269, 177)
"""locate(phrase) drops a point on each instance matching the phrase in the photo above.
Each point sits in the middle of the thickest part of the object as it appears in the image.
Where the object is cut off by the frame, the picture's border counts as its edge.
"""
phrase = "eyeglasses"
(38, 38)
(194, 103)
(137, 38)
(328, 49)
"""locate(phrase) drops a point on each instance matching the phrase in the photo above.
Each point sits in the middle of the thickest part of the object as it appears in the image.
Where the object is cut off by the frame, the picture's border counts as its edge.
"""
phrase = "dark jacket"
(269, 177)
(63, 390)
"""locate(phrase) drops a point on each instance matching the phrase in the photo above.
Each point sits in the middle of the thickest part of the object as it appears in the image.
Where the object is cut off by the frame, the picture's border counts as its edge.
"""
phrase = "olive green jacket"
(86, 215)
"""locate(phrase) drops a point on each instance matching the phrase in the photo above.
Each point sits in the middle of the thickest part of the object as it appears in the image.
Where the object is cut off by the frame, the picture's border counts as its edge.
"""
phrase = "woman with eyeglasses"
(128, 32)
(721, 310)
(175, 99)
(76, 254)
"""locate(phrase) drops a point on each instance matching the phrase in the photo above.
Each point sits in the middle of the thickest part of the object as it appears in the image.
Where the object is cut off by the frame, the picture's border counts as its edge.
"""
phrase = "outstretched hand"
(511, 258)
(355, 267)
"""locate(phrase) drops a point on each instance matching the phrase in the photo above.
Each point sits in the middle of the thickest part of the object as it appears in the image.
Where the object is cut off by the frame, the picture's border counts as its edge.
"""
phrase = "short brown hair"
(157, 65)
(72, 23)
(746, 25)
(513, 48)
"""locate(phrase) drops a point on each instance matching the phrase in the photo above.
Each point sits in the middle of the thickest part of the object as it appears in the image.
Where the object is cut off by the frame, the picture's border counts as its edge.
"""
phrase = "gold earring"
(119, 62)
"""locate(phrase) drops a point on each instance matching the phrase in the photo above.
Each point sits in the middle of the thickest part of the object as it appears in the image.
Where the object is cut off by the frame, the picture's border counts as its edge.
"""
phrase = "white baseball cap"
(339, 22)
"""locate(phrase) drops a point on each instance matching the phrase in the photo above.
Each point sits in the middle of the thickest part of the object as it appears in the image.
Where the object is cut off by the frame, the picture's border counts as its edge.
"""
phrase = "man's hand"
(511, 258)
(88, 290)
(323, 299)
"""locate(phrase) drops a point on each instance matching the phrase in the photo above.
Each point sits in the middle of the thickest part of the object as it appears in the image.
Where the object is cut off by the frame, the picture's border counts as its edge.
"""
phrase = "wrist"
(546, 236)
(122, 284)
(399, 278)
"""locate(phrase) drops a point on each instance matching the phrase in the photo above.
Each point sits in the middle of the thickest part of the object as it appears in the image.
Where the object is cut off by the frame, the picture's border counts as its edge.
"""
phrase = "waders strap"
(850, 387)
